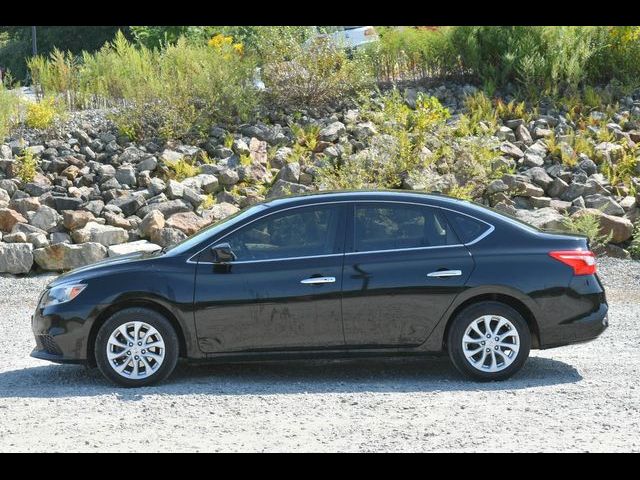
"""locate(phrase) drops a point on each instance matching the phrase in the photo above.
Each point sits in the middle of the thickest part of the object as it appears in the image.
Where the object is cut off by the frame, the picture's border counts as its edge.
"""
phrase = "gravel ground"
(579, 398)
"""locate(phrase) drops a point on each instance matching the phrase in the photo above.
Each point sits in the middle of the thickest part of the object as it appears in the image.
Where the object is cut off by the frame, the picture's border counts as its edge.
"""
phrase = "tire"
(471, 324)
(159, 359)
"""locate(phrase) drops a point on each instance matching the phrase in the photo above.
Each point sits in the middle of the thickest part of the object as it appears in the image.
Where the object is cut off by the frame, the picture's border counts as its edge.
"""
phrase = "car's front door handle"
(318, 280)
(445, 273)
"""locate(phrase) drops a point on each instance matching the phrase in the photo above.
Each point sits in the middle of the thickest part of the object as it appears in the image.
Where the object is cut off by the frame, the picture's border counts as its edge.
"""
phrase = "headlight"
(62, 294)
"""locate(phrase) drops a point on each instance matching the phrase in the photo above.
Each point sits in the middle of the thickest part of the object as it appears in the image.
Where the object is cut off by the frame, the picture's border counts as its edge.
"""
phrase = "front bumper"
(62, 332)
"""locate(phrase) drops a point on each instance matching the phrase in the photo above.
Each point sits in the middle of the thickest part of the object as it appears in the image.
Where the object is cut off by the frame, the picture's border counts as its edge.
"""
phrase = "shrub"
(27, 165)
(414, 54)
(588, 224)
(188, 85)
(182, 169)
(9, 111)
(634, 247)
(315, 75)
(42, 114)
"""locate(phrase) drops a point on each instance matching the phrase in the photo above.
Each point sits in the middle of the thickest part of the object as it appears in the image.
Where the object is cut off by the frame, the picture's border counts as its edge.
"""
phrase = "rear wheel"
(489, 341)
(136, 347)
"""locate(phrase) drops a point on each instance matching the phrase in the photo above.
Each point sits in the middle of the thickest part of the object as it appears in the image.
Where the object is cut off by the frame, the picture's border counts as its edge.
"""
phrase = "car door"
(282, 291)
(403, 268)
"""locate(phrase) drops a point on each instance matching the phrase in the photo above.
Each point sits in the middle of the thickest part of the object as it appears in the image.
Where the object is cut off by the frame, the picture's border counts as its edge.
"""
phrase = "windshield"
(203, 235)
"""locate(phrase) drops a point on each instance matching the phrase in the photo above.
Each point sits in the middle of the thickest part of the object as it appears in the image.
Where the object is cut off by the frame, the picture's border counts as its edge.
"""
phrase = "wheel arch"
(508, 298)
(132, 303)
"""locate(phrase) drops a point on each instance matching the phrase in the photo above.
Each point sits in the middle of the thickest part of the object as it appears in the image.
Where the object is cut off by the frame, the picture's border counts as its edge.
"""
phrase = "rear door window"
(400, 226)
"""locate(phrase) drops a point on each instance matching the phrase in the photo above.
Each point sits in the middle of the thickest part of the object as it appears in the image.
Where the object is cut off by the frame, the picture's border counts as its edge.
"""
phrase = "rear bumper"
(578, 330)
(50, 357)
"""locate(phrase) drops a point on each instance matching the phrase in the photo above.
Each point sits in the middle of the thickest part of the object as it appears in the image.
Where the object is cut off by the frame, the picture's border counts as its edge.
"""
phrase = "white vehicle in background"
(348, 37)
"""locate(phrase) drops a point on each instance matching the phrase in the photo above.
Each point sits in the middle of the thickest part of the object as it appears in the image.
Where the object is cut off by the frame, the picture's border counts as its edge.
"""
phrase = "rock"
(38, 240)
(187, 222)
(282, 188)
(289, 173)
(219, 212)
(511, 150)
(117, 220)
(94, 206)
(560, 205)
(620, 228)
(139, 246)
(533, 160)
(368, 129)
(152, 221)
(8, 218)
(76, 219)
(209, 183)
(525, 189)
(543, 218)
(607, 151)
(66, 256)
(67, 203)
(240, 147)
(15, 258)
(540, 202)
(192, 196)
(166, 237)
(281, 157)
(156, 186)
(616, 252)
(18, 237)
(148, 164)
(103, 234)
(174, 189)
(539, 176)
(628, 203)
(332, 132)
(523, 135)
(59, 237)
(129, 204)
(574, 191)
(166, 208)
(132, 155)
(126, 175)
(258, 151)
(605, 204)
(557, 187)
(228, 177)
(497, 186)
(171, 157)
(578, 202)
(588, 166)
(45, 218)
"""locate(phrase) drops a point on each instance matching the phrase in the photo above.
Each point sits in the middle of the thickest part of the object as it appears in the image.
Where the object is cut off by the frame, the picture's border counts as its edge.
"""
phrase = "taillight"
(583, 262)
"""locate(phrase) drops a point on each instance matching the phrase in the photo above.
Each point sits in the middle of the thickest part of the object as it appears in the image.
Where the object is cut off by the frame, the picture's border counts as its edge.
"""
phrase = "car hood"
(103, 266)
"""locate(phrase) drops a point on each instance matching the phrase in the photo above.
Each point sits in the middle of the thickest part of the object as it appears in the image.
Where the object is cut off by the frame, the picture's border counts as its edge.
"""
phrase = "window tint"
(387, 227)
(296, 233)
(467, 228)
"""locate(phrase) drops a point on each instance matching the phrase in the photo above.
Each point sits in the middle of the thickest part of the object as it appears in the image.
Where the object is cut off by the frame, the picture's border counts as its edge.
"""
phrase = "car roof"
(373, 195)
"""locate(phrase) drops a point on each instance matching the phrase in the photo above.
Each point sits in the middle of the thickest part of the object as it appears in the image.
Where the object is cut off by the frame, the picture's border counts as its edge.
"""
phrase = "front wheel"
(136, 347)
(489, 341)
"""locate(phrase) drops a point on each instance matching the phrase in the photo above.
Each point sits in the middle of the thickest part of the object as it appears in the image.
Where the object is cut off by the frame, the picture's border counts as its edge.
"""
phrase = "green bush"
(27, 165)
(588, 224)
(42, 114)
(184, 86)
(313, 75)
(414, 54)
(9, 111)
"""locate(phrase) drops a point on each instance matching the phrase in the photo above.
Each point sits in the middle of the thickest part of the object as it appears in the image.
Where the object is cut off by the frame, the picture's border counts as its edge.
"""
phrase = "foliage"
(313, 75)
(187, 86)
(27, 165)
(588, 224)
(9, 111)
(42, 114)
(414, 54)
(634, 247)
(208, 202)
(182, 169)
(75, 39)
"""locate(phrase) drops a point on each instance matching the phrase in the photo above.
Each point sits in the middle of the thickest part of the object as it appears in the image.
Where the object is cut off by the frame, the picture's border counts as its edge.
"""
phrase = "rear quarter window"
(467, 228)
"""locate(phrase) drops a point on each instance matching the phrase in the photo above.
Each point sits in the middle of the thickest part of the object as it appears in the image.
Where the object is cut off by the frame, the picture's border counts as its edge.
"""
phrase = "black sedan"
(332, 274)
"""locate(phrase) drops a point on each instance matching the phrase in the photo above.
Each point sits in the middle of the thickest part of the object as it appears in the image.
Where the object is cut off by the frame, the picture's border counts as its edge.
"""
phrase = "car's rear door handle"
(445, 273)
(318, 280)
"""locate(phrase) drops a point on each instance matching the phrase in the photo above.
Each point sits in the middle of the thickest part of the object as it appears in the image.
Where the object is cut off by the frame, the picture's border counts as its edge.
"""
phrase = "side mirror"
(222, 253)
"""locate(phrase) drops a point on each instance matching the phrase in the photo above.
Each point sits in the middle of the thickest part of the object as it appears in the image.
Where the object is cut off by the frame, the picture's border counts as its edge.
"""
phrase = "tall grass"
(9, 111)
(196, 82)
